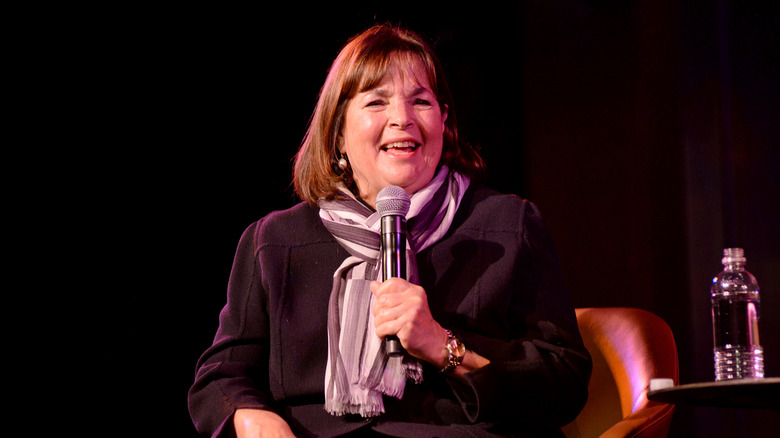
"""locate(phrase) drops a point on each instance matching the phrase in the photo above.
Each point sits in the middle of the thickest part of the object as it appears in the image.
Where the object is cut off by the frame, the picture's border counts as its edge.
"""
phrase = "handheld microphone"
(392, 204)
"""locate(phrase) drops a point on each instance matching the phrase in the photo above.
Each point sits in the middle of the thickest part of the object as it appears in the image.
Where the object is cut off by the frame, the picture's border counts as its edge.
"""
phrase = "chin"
(409, 181)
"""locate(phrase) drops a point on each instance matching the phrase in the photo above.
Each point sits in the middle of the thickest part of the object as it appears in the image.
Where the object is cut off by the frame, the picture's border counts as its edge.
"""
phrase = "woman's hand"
(255, 423)
(401, 309)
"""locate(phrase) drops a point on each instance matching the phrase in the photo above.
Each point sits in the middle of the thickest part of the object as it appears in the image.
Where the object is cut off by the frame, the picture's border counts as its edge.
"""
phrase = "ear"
(340, 143)
(444, 112)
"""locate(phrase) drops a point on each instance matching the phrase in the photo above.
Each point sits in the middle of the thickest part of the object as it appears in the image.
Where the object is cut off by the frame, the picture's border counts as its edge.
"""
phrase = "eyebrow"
(382, 92)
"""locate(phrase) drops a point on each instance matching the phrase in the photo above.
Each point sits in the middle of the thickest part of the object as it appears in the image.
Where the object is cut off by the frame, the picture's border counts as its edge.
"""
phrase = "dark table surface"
(742, 393)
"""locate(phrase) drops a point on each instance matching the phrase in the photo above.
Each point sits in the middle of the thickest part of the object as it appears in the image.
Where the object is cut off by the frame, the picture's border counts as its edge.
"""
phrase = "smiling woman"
(490, 339)
(393, 133)
(368, 69)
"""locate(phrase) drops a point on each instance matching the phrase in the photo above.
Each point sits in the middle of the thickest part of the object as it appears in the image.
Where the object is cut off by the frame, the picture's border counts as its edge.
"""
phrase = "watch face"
(461, 351)
(456, 351)
(457, 348)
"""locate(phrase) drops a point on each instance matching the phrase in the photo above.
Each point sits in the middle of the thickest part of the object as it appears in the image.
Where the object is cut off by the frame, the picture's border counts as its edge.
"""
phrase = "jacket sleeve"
(539, 372)
(233, 372)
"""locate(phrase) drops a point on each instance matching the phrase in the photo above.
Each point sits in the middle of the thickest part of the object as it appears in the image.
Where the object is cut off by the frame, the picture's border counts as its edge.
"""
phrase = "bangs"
(370, 70)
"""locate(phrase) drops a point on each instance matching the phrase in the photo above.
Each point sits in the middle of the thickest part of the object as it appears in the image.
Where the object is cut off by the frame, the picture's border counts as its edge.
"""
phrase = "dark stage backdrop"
(646, 131)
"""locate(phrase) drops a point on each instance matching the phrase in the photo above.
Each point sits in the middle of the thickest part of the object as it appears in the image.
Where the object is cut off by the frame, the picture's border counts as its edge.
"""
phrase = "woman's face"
(392, 134)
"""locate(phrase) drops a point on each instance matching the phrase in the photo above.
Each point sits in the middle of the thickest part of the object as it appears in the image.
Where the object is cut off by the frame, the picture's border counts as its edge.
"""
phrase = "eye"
(375, 103)
(424, 102)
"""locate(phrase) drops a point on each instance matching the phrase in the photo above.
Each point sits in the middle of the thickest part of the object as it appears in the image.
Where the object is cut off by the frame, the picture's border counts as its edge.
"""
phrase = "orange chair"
(629, 347)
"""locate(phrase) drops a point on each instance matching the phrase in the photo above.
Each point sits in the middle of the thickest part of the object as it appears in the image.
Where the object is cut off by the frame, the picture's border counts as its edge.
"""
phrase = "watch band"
(456, 351)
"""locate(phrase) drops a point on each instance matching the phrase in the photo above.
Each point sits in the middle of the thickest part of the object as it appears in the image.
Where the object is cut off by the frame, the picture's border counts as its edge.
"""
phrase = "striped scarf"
(359, 371)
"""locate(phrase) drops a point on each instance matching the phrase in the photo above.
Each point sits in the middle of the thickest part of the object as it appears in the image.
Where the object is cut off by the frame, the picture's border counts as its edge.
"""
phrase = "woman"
(490, 339)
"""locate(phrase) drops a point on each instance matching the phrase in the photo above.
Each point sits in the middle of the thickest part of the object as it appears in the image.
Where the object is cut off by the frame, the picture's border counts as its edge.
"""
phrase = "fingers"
(397, 305)
(401, 309)
(395, 296)
(394, 291)
(388, 310)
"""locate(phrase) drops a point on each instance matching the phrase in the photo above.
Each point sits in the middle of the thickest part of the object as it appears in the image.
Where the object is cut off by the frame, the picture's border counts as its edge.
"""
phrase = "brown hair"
(361, 65)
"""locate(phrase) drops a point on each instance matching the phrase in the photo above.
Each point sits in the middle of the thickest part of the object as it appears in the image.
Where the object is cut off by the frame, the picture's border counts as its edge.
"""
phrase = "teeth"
(401, 144)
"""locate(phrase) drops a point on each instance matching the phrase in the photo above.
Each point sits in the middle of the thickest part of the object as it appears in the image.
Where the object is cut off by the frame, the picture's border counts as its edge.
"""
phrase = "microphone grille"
(392, 201)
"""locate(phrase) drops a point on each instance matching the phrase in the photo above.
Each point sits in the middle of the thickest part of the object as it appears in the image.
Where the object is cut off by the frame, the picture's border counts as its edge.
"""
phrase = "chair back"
(629, 347)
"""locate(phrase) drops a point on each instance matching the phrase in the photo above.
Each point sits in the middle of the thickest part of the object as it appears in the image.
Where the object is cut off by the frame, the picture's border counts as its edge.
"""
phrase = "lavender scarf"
(359, 371)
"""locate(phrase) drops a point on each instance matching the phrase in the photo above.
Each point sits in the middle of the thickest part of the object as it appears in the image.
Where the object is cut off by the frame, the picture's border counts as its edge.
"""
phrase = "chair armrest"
(648, 422)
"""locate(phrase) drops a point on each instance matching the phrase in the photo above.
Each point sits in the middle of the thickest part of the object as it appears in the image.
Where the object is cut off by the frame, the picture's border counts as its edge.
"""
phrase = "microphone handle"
(393, 264)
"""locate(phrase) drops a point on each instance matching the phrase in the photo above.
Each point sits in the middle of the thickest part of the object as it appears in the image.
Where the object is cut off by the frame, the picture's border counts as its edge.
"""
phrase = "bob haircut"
(361, 65)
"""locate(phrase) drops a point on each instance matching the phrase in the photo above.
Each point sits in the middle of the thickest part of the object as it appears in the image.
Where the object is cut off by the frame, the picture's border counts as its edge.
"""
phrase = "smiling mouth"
(401, 146)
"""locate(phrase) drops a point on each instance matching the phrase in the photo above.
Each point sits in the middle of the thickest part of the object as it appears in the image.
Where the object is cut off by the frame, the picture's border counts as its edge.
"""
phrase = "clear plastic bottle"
(735, 314)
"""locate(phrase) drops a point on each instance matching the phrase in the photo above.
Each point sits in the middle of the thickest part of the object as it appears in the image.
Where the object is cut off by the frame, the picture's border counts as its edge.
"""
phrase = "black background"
(646, 132)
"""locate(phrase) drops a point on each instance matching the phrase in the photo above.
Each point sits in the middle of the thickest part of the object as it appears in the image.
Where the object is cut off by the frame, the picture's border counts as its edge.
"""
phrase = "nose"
(401, 115)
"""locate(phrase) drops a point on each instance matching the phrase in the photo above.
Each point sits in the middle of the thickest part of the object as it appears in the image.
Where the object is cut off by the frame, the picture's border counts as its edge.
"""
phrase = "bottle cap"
(660, 383)
(733, 255)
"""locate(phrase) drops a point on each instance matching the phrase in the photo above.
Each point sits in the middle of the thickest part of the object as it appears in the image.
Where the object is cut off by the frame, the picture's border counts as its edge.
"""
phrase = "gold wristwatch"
(456, 351)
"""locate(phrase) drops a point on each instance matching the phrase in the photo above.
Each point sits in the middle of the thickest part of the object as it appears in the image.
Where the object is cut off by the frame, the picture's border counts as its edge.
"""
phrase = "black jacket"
(494, 280)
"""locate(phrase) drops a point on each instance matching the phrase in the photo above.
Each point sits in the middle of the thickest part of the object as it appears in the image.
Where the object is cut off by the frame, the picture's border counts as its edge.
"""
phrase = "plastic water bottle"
(735, 314)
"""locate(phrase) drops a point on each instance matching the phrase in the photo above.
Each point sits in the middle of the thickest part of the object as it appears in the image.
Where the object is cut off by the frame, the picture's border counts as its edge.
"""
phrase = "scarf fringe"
(366, 408)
